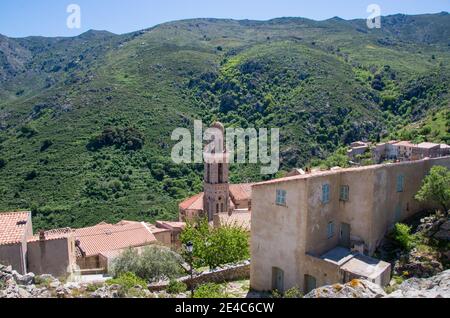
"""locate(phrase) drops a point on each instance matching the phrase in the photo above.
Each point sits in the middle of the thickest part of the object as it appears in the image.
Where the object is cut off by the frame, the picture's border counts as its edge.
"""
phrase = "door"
(310, 283)
(278, 279)
(345, 235)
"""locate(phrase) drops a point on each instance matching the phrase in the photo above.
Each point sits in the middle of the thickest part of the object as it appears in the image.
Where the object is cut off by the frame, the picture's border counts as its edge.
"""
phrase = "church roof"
(193, 203)
(238, 192)
(241, 192)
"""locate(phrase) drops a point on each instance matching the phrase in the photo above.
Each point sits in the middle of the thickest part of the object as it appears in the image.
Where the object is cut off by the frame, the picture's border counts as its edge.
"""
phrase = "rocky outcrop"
(435, 287)
(420, 264)
(354, 289)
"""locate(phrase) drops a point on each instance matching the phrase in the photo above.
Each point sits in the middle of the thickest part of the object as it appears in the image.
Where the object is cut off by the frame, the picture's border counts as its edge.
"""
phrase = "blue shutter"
(400, 183)
(325, 193)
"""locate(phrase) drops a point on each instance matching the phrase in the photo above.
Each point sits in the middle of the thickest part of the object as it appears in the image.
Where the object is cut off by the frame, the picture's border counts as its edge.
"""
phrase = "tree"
(215, 247)
(436, 188)
(152, 263)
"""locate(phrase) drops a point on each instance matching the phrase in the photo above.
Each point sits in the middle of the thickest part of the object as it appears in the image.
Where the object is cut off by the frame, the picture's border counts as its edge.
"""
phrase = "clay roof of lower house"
(56, 234)
(13, 227)
(193, 203)
(342, 170)
(405, 144)
(241, 218)
(171, 225)
(241, 192)
(428, 145)
(109, 237)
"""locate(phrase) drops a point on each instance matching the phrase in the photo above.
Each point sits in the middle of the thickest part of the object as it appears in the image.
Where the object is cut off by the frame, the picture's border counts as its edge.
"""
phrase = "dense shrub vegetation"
(151, 264)
(93, 114)
(214, 247)
(124, 138)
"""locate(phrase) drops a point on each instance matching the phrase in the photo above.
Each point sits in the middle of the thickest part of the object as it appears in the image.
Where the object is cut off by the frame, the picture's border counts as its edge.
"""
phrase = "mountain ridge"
(324, 85)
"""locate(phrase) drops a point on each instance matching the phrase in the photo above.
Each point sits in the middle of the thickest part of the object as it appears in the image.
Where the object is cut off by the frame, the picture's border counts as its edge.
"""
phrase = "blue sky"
(20, 18)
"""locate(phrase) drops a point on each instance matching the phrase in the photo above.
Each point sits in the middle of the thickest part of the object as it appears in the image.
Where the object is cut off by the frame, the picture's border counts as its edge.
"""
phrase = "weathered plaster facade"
(288, 240)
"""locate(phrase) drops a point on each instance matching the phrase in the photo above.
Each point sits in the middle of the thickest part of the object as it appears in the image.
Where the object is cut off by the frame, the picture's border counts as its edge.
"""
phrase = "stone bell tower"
(215, 182)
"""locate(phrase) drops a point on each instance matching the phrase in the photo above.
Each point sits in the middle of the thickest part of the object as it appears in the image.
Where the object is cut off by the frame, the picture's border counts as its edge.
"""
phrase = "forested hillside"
(85, 122)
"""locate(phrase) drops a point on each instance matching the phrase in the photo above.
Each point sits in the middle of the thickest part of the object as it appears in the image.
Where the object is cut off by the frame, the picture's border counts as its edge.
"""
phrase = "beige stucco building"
(318, 229)
(50, 252)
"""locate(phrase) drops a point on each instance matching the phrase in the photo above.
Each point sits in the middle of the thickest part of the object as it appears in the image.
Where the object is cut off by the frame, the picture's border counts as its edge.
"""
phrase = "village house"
(358, 148)
(51, 252)
(97, 245)
(407, 151)
(323, 228)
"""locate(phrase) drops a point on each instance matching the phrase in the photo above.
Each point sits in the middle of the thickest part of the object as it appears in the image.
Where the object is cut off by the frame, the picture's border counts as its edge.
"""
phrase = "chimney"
(41, 235)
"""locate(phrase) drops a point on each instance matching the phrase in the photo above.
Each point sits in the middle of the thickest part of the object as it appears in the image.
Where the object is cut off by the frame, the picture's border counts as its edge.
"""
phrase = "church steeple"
(215, 183)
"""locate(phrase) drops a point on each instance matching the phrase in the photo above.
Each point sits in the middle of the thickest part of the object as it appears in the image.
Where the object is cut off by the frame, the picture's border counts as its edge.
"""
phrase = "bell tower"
(215, 181)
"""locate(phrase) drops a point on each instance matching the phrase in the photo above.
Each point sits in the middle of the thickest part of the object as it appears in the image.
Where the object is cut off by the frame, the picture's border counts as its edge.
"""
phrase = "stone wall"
(221, 275)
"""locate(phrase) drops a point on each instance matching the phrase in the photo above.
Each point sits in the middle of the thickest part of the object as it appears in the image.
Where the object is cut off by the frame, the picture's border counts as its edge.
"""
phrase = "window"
(344, 193)
(325, 193)
(281, 197)
(330, 230)
(400, 183)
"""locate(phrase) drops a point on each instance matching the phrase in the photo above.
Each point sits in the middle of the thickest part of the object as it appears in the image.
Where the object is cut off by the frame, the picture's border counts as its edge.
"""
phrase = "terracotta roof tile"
(171, 225)
(13, 227)
(193, 203)
(55, 234)
(330, 172)
(241, 192)
(106, 237)
(238, 218)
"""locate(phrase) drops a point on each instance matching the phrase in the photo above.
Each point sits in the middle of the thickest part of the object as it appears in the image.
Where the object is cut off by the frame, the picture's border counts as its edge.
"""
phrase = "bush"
(124, 138)
(2, 163)
(152, 264)
(127, 281)
(176, 287)
(436, 188)
(293, 293)
(215, 247)
(28, 131)
(403, 236)
(46, 144)
(31, 175)
(210, 290)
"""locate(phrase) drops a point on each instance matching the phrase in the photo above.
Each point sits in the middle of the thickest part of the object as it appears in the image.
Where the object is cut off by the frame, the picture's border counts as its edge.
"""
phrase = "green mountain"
(85, 122)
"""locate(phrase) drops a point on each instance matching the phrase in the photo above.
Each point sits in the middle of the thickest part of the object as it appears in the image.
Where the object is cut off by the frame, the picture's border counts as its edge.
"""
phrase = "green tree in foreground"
(436, 188)
(151, 264)
(215, 247)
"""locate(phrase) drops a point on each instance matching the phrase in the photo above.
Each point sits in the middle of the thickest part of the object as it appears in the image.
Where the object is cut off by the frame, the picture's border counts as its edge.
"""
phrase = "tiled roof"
(107, 237)
(241, 192)
(171, 225)
(405, 144)
(51, 235)
(13, 227)
(238, 218)
(193, 203)
(428, 145)
(329, 172)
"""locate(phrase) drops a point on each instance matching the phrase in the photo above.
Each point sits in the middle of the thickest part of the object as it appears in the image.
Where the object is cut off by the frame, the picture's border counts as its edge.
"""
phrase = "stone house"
(322, 228)
(51, 252)
(15, 229)
(92, 242)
